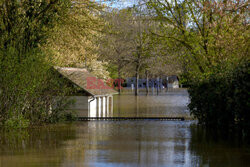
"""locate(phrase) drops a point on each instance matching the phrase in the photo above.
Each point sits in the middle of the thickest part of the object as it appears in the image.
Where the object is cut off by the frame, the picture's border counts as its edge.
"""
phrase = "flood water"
(124, 143)
(165, 104)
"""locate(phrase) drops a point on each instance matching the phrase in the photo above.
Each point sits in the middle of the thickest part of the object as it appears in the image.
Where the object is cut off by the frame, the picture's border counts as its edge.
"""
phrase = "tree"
(206, 30)
(128, 43)
(214, 36)
(74, 42)
(116, 44)
(27, 84)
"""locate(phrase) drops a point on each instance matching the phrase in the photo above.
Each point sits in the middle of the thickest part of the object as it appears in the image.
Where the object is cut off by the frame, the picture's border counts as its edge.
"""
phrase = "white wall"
(88, 107)
(101, 107)
(92, 107)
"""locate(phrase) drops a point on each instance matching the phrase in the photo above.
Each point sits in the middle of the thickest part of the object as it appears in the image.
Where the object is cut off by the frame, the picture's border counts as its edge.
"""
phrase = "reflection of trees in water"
(216, 148)
(125, 142)
(38, 138)
(134, 142)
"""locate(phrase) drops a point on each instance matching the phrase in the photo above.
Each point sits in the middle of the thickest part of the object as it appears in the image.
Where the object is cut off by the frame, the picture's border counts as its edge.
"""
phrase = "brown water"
(123, 143)
(166, 104)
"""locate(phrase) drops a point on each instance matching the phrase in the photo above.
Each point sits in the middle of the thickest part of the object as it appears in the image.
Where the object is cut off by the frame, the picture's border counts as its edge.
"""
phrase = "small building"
(173, 81)
(89, 102)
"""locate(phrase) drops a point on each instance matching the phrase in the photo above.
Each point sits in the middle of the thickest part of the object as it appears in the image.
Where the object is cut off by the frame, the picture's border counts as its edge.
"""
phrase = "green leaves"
(208, 33)
(221, 100)
(27, 84)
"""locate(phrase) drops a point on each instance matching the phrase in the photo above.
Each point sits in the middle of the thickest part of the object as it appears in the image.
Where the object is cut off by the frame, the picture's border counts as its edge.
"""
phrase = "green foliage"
(28, 89)
(28, 85)
(59, 114)
(17, 123)
(112, 69)
(212, 39)
(74, 43)
(26, 24)
(222, 100)
(205, 33)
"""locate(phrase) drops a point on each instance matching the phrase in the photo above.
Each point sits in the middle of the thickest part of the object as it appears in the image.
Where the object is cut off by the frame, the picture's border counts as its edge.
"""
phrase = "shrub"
(222, 99)
(17, 123)
(28, 90)
(27, 83)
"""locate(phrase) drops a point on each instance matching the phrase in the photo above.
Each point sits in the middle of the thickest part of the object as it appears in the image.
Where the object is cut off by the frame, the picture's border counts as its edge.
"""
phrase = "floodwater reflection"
(120, 143)
(166, 104)
(124, 143)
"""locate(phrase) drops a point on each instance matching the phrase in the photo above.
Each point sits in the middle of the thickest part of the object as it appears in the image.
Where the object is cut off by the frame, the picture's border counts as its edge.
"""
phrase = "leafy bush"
(28, 90)
(222, 100)
(17, 123)
(28, 86)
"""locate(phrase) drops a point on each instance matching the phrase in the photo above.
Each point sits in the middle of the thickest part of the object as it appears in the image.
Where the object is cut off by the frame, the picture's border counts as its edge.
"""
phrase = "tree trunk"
(157, 85)
(137, 80)
(138, 64)
(147, 85)
(153, 85)
(85, 61)
(119, 79)
(160, 84)
(166, 83)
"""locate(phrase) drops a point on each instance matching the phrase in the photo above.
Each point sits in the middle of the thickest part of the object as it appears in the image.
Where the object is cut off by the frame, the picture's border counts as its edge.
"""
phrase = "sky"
(120, 4)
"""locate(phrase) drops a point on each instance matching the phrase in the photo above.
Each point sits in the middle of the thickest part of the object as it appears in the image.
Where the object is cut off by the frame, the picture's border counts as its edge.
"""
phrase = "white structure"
(173, 82)
(89, 101)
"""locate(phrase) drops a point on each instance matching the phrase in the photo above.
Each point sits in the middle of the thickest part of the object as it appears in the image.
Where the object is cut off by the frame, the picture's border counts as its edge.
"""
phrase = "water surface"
(119, 143)
(166, 104)
(124, 143)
